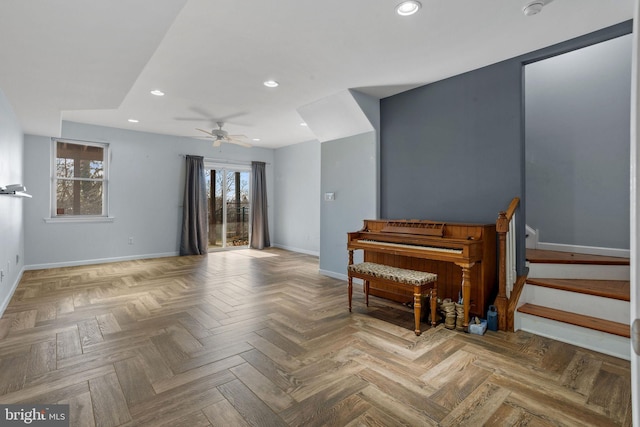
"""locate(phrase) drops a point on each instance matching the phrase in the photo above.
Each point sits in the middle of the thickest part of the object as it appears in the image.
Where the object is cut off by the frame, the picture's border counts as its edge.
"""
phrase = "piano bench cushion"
(400, 275)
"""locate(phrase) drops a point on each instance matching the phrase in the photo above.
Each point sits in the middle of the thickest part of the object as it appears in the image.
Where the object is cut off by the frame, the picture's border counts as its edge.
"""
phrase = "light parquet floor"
(260, 338)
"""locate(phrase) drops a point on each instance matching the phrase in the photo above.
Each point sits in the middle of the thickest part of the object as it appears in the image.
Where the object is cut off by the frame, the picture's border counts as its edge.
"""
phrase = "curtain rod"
(229, 161)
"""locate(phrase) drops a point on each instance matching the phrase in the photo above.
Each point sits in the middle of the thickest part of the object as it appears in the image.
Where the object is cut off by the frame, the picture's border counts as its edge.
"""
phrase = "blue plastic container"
(492, 318)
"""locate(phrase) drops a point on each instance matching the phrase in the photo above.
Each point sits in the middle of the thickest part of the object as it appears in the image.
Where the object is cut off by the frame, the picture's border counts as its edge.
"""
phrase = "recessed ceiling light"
(256, 139)
(533, 8)
(271, 83)
(157, 92)
(303, 124)
(407, 8)
(133, 120)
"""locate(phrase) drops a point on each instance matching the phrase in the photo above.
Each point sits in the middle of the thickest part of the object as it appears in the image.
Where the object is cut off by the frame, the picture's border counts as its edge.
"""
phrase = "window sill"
(79, 219)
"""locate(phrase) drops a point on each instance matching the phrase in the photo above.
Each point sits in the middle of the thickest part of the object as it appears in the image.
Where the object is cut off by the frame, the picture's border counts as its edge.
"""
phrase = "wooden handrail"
(512, 207)
(502, 228)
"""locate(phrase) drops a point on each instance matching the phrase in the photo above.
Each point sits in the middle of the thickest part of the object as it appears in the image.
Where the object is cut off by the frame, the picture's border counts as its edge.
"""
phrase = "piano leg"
(466, 291)
(417, 306)
(433, 299)
(365, 287)
(351, 280)
(350, 291)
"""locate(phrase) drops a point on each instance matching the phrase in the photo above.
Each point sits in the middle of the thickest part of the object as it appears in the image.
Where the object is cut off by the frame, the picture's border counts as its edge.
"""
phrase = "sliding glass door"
(228, 201)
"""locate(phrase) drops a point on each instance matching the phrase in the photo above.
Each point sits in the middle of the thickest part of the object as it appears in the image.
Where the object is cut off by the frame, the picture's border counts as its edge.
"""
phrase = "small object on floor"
(476, 320)
(449, 309)
(478, 328)
(492, 318)
(459, 310)
(408, 304)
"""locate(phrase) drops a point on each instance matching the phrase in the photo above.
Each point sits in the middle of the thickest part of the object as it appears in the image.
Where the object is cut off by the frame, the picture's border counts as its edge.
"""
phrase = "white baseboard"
(591, 250)
(292, 249)
(333, 274)
(7, 299)
(98, 261)
(532, 241)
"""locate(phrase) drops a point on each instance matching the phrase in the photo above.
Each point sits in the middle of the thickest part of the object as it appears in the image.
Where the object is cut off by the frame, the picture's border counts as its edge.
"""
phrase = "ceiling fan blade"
(191, 119)
(238, 142)
(207, 132)
(237, 136)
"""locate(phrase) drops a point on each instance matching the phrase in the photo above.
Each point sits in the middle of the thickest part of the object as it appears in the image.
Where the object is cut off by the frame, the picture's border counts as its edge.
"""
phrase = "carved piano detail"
(462, 255)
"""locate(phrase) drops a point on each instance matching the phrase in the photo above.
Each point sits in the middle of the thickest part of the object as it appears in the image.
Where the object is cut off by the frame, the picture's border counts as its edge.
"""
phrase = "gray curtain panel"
(194, 218)
(259, 222)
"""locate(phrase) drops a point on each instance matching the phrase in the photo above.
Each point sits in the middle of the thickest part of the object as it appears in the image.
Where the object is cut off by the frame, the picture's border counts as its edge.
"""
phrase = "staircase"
(578, 299)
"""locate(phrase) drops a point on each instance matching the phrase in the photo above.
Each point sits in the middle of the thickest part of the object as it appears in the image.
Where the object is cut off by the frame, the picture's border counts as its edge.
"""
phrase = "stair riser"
(588, 305)
(579, 271)
(612, 345)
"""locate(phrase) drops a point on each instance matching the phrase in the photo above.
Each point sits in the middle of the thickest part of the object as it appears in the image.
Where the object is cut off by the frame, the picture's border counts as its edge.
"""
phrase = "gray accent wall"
(577, 121)
(145, 196)
(11, 208)
(297, 201)
(453, 150)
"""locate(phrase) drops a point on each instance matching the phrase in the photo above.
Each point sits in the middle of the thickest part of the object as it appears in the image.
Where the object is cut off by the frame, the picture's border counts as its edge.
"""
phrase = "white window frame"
(104, 217)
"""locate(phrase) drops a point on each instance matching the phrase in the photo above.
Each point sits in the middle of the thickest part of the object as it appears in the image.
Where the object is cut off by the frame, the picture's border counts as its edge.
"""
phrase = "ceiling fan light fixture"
(133, 121)
(407, 8)
(157, 92)
(271, 83)
(533, 8)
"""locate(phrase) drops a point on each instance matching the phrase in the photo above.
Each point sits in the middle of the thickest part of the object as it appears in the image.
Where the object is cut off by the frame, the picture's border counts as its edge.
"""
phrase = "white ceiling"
(96, 61)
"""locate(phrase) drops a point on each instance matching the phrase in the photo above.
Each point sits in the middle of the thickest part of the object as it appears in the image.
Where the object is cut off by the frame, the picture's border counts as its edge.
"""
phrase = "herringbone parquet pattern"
(260, 338)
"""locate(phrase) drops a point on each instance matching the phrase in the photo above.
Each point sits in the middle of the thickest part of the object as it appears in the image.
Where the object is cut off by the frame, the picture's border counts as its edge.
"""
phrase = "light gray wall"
(577, 112)
(145, 191)
(349, 171)
(297, 197)
(11, 208)
(371, 108)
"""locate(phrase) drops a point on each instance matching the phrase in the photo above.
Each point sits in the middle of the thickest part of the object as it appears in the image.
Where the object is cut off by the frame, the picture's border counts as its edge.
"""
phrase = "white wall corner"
(531, 238)
(336, 116)
(7, 300)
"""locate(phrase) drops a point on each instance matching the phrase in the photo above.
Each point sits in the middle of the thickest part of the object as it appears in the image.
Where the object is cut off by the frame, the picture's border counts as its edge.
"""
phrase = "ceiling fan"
(220, 135)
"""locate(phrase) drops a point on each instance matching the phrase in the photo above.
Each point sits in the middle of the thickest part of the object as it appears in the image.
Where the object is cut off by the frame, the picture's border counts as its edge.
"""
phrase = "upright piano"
(462, 255)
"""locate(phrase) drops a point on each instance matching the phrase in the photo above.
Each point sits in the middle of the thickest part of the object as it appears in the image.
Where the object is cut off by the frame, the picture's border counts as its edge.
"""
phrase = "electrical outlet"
(131, 240)
(17, 259)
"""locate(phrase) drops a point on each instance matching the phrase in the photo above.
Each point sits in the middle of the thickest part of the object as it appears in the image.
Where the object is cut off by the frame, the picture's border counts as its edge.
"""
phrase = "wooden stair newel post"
(502, 227)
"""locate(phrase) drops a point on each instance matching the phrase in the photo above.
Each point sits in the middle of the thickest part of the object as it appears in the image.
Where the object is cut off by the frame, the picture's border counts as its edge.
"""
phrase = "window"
(80, 172)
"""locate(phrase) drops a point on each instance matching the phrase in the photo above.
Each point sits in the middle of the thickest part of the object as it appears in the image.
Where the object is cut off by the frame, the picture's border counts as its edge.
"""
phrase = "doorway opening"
(228, 204)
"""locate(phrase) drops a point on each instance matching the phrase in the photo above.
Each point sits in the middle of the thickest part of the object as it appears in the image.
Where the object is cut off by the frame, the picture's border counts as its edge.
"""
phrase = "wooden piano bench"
(400, 278)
